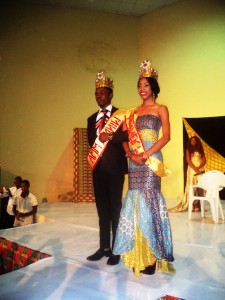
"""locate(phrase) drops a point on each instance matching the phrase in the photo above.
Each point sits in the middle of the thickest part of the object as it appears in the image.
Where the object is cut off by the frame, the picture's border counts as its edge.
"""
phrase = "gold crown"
(103, 81)
(147, 71)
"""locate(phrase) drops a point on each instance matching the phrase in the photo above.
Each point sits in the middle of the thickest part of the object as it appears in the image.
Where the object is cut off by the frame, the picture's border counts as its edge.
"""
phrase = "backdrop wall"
(49, 57)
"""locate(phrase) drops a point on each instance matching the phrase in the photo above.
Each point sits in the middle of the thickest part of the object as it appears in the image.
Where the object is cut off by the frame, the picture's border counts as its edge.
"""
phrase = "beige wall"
(48, 62)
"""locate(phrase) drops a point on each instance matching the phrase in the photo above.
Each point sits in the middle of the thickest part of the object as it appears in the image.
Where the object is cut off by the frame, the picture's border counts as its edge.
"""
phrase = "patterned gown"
(144, 234)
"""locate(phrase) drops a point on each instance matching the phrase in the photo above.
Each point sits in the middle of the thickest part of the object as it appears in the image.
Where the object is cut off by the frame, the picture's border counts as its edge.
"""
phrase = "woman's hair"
(197, 147)
(154, 85)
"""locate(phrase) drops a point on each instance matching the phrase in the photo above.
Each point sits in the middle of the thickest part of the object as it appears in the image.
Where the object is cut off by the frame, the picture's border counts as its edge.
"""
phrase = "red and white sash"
(137, 146)
(113, 124)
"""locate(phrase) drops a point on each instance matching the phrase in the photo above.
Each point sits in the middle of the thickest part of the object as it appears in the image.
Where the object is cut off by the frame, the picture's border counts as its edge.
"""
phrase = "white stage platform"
(71, 234)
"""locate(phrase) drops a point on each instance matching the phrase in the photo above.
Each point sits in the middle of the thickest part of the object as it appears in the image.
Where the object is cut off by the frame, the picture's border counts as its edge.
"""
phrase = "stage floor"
(71, 234)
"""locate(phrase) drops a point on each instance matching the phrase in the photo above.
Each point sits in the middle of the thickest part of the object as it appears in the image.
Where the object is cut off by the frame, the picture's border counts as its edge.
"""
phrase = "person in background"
(109, 166)
(25, 206)
(143, 236)
(13, 192)
(196, 160)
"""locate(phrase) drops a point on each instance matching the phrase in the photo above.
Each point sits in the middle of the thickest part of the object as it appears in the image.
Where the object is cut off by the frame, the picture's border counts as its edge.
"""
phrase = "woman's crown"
(147, 71)
(102, 81)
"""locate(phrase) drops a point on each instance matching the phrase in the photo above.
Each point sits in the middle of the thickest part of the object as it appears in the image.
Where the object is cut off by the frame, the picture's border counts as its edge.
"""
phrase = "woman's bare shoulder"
(162, 108)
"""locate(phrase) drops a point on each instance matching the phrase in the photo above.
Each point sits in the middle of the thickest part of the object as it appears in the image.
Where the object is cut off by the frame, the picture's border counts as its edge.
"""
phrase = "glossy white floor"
(71, 234)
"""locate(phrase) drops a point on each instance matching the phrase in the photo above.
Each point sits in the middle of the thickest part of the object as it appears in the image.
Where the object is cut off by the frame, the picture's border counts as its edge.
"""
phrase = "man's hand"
(103, 137)
(17, 215)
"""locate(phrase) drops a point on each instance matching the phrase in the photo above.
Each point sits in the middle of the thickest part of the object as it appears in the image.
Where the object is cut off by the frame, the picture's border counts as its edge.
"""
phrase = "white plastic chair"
(211, 182)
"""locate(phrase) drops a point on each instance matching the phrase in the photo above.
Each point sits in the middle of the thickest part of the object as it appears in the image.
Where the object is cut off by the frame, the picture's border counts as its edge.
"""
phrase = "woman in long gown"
(144, 235)
(195, 158)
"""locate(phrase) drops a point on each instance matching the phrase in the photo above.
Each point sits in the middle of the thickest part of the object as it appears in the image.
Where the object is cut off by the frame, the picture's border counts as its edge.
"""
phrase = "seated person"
(4, 192)
(13, 192)
(25, 206)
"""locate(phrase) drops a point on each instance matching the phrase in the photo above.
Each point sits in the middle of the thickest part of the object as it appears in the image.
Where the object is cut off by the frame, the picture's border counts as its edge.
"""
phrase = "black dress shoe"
(113, 260)
(99, 254)
(150, 270)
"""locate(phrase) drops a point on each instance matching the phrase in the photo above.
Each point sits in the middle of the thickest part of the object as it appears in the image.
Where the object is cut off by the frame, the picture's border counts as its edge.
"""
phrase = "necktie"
(102, 121)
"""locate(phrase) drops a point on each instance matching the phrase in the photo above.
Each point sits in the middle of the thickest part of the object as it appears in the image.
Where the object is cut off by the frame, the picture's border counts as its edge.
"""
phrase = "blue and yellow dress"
(144, 233)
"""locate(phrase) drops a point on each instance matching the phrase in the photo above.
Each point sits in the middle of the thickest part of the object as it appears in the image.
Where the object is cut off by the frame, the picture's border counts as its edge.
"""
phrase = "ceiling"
(135, 8)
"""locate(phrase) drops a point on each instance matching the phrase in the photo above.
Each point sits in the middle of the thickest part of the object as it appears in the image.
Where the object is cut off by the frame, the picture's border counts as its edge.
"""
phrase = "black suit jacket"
(113, 159)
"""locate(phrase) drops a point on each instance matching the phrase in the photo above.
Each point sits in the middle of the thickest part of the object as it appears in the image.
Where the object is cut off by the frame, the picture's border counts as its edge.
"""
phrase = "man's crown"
(102, 81)
(147, 71)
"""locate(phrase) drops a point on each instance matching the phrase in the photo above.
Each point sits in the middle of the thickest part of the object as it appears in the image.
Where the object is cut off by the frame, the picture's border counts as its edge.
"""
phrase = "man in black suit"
(108, 173)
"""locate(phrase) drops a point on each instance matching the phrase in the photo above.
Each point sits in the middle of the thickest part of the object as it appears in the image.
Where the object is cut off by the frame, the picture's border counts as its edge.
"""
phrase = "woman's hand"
(196, 169)
(138, 159)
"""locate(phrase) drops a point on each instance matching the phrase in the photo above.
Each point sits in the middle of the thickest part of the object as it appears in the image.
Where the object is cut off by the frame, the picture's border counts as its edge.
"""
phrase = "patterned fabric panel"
(14, 256)
(168, 297)
(82, 175)
(214, 161)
